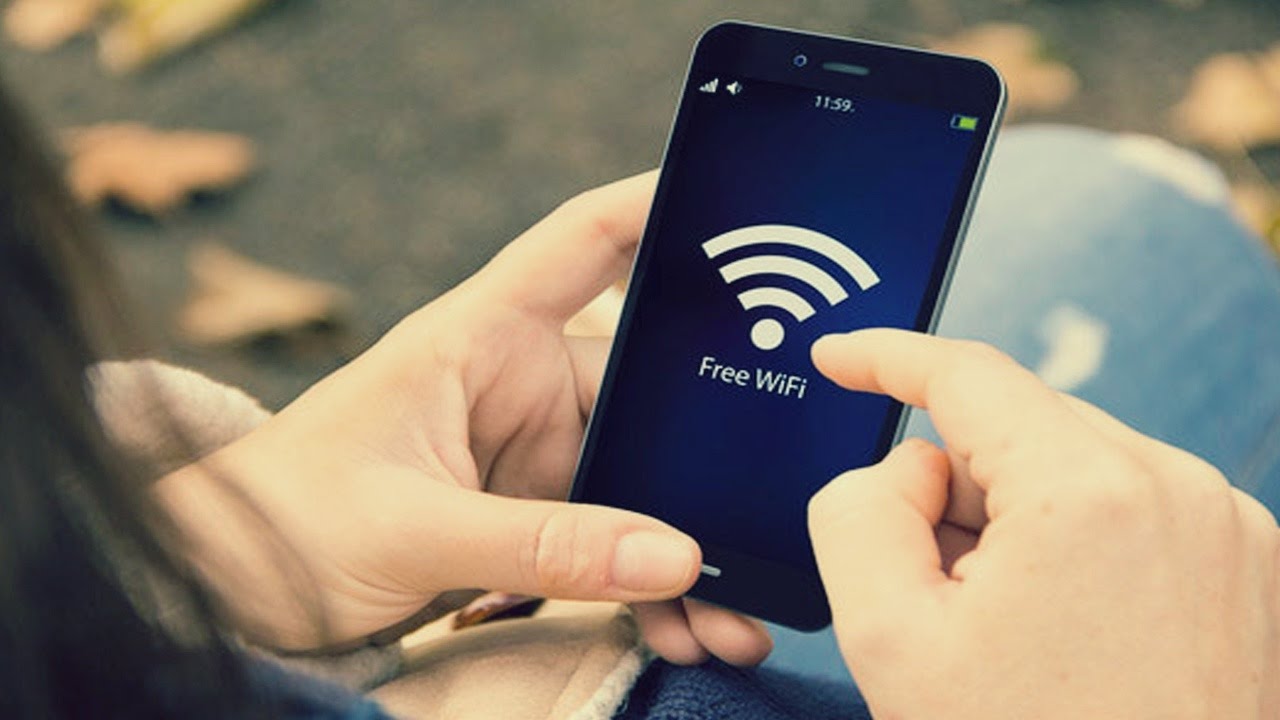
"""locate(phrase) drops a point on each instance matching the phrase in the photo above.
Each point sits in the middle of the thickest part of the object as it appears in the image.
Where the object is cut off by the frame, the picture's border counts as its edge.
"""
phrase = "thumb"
(873, 533)
(589, 357)
(560, 550)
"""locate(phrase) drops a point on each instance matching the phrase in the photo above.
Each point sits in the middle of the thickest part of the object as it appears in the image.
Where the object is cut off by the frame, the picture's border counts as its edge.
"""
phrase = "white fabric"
(168, 417)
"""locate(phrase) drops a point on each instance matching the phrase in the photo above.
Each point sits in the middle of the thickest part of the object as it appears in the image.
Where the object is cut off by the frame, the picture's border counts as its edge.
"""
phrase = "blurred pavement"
(404, 141)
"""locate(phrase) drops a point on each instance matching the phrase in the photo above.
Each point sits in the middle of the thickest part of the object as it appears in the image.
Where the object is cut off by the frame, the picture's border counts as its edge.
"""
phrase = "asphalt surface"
(404, 141)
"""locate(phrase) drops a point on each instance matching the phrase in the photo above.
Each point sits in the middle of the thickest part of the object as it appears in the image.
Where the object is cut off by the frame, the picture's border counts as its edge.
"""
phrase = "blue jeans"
(1113, 266)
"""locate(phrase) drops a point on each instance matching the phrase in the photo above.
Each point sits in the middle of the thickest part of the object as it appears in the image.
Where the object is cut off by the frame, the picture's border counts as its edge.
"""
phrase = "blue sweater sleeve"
(291, 696)
(720, 691)
(663, 692)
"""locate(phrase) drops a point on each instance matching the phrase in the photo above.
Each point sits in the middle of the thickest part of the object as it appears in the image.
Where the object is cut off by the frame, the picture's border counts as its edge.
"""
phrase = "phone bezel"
(764, 588)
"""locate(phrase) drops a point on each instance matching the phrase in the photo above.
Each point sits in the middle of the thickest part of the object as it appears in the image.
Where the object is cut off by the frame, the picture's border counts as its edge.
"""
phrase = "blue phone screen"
(785, 214)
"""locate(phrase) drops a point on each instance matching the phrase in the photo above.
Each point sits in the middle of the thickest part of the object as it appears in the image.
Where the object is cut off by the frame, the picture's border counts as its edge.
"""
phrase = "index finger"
(557, 266)
(994, 413)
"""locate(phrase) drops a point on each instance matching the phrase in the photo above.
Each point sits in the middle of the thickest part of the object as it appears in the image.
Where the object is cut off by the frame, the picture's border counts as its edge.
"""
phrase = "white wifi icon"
(768, 333)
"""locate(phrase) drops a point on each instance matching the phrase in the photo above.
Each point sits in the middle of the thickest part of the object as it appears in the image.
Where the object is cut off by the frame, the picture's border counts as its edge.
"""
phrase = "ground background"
(404, 141)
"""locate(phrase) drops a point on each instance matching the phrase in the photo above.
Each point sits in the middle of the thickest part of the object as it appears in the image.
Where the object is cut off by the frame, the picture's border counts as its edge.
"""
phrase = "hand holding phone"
(811, 185)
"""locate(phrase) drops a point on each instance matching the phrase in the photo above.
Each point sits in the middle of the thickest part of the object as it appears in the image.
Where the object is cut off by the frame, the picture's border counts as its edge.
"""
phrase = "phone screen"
(786, 211)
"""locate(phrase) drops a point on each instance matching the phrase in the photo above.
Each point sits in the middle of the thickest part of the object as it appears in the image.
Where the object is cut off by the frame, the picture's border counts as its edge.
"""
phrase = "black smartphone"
(811, 185)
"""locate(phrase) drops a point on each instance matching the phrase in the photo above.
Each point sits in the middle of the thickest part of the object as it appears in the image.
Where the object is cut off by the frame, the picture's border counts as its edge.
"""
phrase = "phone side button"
(710, 570)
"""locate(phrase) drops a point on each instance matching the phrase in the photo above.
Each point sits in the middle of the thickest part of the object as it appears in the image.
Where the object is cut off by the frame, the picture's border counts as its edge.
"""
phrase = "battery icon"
(964, 122)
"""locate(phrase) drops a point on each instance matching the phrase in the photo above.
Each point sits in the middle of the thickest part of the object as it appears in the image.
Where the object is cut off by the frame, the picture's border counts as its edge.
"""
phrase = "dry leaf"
(494, 606)
(1035, 82)
(235, 299)
(1233, 102)
(149, 170)
(46, 24)
(149, 29)
(1258, 207)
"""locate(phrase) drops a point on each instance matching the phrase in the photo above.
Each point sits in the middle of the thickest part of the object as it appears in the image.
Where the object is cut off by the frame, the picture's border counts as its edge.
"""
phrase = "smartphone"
(811, 185)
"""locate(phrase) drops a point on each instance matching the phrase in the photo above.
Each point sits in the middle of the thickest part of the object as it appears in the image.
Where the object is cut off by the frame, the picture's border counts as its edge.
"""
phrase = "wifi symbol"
(768, 333)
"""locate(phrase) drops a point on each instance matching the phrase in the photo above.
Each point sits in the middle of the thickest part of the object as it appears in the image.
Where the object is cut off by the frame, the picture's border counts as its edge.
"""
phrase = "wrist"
(232, 542)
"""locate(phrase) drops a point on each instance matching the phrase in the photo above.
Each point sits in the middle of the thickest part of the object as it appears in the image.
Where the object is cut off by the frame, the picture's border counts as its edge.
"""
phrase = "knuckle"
(920, 458)
(916, 448)
(1192, 468)
(1199, 488)
(832, 504)
(558, 559)
(849, 493)
(823, 508)
(582, 212)
(977, 354)
(1209, 488)
(1116, 494)
(1256, 518)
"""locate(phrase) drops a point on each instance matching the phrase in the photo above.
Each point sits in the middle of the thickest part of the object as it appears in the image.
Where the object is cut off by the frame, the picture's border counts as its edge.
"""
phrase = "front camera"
(800, 60)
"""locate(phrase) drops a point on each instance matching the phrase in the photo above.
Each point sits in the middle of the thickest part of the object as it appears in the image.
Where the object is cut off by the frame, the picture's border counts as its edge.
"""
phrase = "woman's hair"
(75, 637)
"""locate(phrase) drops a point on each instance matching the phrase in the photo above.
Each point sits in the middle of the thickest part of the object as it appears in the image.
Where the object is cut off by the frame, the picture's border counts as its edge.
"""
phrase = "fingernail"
(652, 562)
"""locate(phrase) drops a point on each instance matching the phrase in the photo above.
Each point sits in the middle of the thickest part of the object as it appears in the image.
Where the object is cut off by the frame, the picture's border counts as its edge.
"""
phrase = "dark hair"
(76, 639)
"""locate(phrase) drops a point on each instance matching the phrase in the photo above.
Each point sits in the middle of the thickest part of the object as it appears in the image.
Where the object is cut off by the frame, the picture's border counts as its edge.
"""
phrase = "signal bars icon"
(713, 84)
